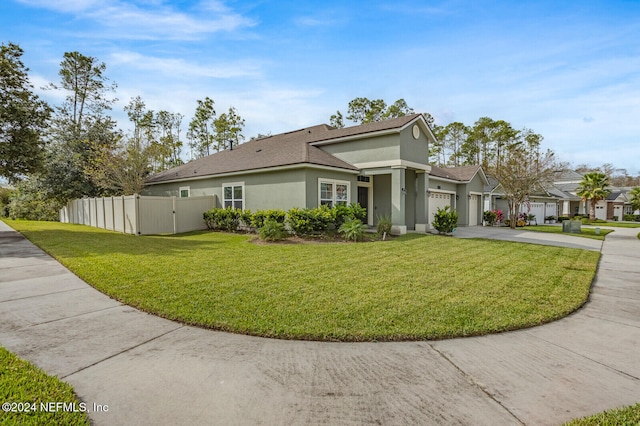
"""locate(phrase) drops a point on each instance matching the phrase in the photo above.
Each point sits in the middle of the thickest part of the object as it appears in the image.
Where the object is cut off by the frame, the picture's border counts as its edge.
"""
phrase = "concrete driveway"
(148, 370)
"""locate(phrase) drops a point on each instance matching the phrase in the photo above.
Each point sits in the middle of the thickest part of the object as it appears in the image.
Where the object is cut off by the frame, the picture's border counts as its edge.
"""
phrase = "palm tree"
(593, 188)
(635, 198)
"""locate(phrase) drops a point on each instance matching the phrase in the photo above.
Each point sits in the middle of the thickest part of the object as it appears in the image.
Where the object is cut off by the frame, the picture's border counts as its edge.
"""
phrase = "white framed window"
(184, 191)
(233, 195)
(333, 192)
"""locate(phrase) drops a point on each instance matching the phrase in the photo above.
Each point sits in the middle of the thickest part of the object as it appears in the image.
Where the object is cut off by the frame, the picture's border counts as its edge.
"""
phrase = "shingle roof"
(568, 175)
(284, 149)
(462, 173)
(280, 150)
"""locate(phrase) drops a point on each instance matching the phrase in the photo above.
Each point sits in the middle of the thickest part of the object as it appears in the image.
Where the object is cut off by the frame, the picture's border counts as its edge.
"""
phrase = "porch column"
(398, 194)
(422, 202)
(566, 208)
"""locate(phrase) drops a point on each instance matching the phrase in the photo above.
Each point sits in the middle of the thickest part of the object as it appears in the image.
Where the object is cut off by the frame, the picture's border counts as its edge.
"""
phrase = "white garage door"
(536, 209)
(437, 200)
(601, 210)
(473, 210)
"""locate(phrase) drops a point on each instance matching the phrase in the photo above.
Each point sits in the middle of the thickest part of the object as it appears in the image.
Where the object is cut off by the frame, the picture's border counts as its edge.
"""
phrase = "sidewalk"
(149, 370)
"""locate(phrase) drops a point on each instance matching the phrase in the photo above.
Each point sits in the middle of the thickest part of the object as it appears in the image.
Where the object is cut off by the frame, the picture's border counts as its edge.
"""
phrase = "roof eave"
(354, 171)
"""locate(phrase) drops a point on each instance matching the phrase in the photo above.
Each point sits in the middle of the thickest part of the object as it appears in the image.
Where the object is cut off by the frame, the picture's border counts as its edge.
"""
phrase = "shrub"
(352, 229)
(246, 218)
(631, 217)
(490, 217)
(272, 230)
(260, 216)
(5, 198)
(445, 221)
(342, 212)
(384, 225)
(310, 221)
(223, 219)
(561, 218)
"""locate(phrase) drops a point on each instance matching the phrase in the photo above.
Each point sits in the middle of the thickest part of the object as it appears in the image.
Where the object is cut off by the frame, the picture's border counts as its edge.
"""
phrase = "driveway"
(149, 370)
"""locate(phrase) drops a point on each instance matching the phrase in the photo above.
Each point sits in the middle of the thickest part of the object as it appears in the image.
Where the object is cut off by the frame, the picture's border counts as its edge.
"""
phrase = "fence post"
(137, 210)
(175, 218)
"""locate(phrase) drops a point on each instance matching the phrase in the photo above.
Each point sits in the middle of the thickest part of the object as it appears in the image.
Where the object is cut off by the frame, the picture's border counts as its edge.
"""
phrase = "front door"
(363, 199)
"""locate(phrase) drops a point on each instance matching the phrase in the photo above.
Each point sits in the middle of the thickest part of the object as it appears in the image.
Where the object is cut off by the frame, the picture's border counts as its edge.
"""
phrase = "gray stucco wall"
(416, 150)
(410, 199)
(381, 196)
(381, 148)
(281, 189)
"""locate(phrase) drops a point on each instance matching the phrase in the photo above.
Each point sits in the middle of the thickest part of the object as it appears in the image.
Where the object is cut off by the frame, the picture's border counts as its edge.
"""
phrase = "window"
(333, 192)
(184, 191)
(233, 195)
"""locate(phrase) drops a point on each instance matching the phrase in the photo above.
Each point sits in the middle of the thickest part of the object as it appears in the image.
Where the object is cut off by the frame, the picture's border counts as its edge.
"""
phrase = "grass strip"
(25, 387)
(586, 232)
(626, 416)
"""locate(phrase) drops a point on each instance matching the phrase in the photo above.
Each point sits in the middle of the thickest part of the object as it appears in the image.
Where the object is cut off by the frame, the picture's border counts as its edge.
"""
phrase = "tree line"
(52, 154)
(56, 153)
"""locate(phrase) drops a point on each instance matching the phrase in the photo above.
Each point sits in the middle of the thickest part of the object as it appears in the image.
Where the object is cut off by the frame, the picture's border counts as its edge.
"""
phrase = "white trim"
(442, 191)
(253, 171)
(393, 163)
(184, 188)
(233, 199)
(334, 189)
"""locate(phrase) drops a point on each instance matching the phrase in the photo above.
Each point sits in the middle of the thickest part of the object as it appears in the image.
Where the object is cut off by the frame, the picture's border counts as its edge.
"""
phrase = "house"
(383, 166)
(542, 203)
(611, 208)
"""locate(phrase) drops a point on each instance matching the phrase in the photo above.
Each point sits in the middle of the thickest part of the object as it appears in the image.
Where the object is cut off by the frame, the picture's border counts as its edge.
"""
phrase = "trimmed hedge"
(301, 221)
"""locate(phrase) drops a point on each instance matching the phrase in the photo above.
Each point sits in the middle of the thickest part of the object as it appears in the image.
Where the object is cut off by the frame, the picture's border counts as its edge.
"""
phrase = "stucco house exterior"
(383, 166)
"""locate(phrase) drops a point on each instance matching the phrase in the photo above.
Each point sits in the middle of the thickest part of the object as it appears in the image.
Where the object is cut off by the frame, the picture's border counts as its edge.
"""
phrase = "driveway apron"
(136, 368)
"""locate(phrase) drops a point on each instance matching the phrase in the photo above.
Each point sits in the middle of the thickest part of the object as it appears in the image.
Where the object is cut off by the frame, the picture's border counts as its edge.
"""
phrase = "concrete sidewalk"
(148, 370)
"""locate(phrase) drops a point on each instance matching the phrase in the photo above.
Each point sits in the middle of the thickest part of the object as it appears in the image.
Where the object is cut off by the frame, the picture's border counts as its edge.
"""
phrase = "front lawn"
(410, 288)
(24, 387)
(585, 232)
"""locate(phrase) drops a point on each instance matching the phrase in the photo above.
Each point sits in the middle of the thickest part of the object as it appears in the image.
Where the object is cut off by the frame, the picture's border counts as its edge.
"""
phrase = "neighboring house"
(541, 204)
(383, 166)
(612, 208)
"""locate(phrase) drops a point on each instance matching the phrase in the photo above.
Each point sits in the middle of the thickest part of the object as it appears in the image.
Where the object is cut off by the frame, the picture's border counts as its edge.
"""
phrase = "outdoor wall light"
(469, 196)
(404, 191)
(457, 197)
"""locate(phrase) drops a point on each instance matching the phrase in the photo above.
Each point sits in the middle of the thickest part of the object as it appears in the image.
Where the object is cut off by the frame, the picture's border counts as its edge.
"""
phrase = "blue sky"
(569, 70)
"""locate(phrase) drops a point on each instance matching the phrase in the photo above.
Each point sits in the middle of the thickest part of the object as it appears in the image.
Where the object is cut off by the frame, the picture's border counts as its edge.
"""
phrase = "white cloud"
(182, 69)
(149, 20)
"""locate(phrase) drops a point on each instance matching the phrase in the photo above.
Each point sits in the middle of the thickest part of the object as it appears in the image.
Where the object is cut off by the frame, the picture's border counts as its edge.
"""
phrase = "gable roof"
(460, 174)
(284, 149)
(394, 124)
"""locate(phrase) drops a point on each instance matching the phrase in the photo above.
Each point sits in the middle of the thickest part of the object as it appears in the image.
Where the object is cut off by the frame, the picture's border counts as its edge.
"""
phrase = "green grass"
(585, 232)
(411, 288)
(616, 224)
(22, 382)
(627, 416)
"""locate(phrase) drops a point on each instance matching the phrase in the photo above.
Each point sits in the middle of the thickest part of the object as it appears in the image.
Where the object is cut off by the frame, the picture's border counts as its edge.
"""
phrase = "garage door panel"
(437, 200)
(473, 210)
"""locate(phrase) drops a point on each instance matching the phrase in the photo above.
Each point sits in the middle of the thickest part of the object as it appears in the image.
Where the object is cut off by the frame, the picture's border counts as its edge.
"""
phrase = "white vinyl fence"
(138, 214)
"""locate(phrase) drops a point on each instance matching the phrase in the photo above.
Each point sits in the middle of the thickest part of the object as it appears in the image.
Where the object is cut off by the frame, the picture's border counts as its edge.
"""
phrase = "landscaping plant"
(272, 230)
(445, 220)
(384, 225)
(352, 229)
